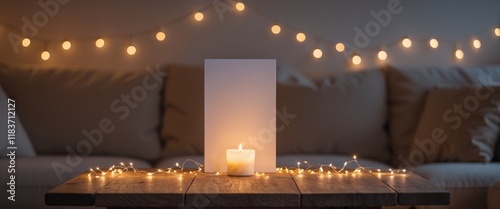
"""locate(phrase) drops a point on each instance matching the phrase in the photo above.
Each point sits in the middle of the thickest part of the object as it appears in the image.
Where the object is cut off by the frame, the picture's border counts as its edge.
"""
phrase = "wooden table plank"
(343, 190)
(414, 190)
(139, 190)
(271, 190)
(78, 191)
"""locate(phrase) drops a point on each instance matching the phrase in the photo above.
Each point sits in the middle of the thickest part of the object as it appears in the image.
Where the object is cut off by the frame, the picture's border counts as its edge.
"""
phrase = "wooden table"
(209, 190)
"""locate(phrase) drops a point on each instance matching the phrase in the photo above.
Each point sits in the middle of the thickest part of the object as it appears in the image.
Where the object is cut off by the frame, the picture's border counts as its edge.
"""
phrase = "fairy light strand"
(159, 34)
(315, 168)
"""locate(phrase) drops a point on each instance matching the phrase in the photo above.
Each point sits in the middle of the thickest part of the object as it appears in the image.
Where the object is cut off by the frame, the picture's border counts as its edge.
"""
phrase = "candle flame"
(240, 147)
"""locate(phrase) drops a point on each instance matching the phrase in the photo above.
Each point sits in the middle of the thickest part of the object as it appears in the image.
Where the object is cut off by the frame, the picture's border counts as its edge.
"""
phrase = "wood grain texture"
(78, 191)
(272, 190)
(139, 190)
(415, 190)
(344, 190)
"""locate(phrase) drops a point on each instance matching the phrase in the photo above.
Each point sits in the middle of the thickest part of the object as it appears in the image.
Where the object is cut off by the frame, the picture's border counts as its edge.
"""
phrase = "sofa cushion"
(407, 91)
(21, 140)
(36, 175)
(458, 125)
(96, 112)
(460, 175)
(467, 183)
(345, 115)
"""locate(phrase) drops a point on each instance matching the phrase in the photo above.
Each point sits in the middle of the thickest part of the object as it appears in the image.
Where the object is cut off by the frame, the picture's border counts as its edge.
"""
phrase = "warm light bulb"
(26, 42)
(459, 54)
(240, 6)
(160, 36)
(99, 43)
(497, 31)
(131, 50)
(434, 43)
(301, 37)
(382, 55)
(66, 45)
(340, 47)
(317, 53)
(406, 42)
(356, 59)
(276, 29)
(198, 16)
(476, 43)
(45, 55)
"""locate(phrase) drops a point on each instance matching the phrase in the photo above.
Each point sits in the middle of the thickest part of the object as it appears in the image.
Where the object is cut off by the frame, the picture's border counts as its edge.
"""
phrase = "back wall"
(364, 26)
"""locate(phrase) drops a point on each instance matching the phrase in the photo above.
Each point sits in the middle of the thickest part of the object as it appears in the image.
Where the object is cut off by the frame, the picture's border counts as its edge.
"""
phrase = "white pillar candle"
(240, 162)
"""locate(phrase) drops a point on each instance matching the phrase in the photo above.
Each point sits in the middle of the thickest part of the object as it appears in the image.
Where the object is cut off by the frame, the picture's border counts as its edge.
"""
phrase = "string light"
(317, 53)
(45, 55)
(26, 42)
(434, 43)
(160, 36)
(131, 50)
(240, 6)
(130, 168)
(356, 59)
(406, 42)
(66, 45)
(198, 16)
(459, 54)
(315, 168)
(301, 37)
(382, 55)
(276, 29)
(329, 169)
(99, 43)
(340, 47)
(476, 43)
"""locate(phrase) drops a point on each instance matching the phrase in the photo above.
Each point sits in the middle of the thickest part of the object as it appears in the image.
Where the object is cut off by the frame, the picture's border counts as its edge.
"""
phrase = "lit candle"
(240, 162)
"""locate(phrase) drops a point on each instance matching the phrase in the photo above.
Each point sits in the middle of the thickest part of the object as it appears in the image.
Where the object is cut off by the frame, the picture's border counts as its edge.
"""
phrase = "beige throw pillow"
(407, 92)
(346, 114)
(458, 125)
(89, 112)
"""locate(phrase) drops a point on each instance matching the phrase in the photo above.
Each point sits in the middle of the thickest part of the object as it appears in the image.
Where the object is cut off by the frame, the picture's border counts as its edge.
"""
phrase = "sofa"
(69, 120)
